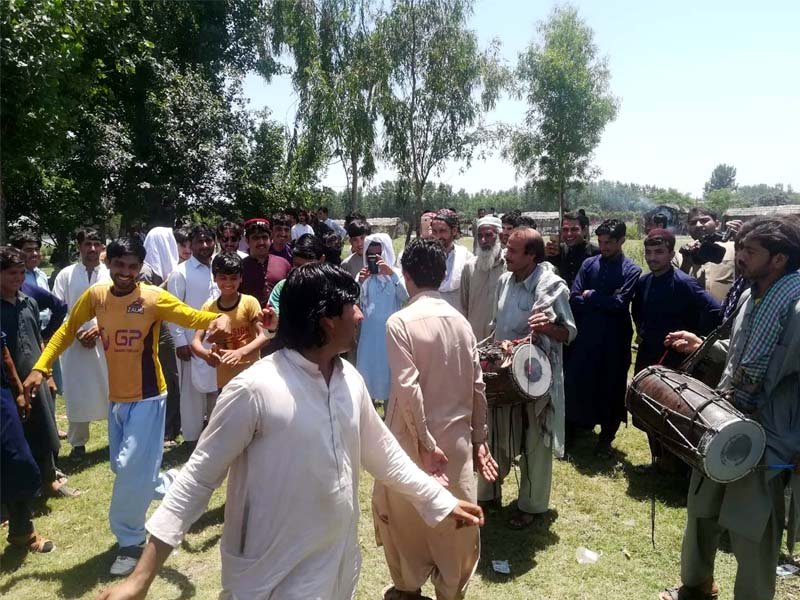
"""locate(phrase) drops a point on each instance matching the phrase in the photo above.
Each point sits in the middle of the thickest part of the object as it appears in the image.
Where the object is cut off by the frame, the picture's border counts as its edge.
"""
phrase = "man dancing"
(299, 539)
(437, 412)
(129, 316)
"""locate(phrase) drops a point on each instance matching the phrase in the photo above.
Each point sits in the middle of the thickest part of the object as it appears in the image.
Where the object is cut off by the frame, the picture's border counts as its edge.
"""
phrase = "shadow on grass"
(210, 518)
(79, 580)
(643, 480)
(72, 466)
(519, 548)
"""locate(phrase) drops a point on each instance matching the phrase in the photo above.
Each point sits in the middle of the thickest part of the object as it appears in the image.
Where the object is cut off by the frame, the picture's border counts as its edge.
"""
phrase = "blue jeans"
(136, 446)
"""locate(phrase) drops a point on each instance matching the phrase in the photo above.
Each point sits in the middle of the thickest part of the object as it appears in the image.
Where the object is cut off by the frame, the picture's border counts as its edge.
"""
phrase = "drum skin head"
(531, 371)
(734, 451)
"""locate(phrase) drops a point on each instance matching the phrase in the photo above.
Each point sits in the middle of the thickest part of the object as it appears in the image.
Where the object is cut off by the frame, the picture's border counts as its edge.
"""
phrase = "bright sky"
(700, 83)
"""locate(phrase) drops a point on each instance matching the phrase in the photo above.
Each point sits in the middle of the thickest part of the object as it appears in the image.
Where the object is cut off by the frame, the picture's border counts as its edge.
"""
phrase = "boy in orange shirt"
(248, 336)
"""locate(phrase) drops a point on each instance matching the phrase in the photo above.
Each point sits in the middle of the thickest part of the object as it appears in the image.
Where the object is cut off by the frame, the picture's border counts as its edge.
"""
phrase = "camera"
(372, 263)
(709, 249)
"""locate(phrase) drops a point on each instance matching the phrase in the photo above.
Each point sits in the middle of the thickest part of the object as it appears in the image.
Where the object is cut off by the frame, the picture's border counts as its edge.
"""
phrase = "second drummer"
(530, 299)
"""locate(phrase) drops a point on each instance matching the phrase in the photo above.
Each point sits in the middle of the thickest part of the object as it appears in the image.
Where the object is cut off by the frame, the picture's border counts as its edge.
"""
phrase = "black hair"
(510, 218)
(234, 227)
(202, 230)
(696, 211)
(181, 235)
(280, 220)
(333, 248)
(18, 240)
(525, 221)
(358, 228)
(613, 228)
(227, 263)
(779, 235)
(308, 246)
(323, 209)
(353, 215)
(11, 257)
(292, 212)
(87, 233)
(184, 222)
(425, 263)
(312, 292)
(127, 246)
(257, 227)
(579, 216)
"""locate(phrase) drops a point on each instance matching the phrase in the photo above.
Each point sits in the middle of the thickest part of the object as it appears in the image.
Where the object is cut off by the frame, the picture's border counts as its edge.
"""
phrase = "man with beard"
(129, 315)
(534, 301)
(716, 274)
(474, 228)
(229, 235)
(568, 256)
(762, 379)
(83, 361)
(597, 365)
(444, 227)
(291, 434)
(480, 276)
(192, 283)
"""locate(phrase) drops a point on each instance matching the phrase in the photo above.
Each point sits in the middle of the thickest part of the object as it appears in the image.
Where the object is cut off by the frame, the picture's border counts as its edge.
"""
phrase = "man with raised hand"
(302, 417)
(129, 315)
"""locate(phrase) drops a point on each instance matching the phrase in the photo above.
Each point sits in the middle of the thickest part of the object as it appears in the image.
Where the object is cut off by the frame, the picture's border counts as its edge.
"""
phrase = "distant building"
(745, 214)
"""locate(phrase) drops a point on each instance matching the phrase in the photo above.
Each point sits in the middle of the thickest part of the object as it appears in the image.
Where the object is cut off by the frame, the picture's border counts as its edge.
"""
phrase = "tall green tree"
(440, 85)
(722, 177)
(566, 85)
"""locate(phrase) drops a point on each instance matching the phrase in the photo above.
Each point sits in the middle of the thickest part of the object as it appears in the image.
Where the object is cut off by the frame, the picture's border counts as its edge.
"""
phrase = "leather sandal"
(33, 542)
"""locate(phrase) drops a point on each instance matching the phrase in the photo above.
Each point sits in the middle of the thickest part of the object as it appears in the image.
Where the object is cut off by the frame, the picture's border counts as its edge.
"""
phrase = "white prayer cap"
(491, 221)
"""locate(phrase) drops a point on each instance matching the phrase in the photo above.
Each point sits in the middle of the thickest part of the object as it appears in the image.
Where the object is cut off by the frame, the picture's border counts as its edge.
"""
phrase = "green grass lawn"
(601, 504)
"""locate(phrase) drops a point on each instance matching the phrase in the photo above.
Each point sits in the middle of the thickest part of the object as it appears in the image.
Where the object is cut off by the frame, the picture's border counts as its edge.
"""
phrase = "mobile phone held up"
(372, 263)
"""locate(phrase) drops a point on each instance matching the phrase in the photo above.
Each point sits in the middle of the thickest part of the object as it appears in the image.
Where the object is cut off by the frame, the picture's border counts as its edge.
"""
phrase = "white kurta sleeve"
(234, 422)
(388, 463)
(176, 285)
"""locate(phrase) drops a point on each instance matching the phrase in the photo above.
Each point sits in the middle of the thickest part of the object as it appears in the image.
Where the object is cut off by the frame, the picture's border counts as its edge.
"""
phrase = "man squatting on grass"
(291, 522)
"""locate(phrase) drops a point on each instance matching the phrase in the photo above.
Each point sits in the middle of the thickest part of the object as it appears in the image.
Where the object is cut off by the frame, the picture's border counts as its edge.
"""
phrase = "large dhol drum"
(514, 372)
(694, 422)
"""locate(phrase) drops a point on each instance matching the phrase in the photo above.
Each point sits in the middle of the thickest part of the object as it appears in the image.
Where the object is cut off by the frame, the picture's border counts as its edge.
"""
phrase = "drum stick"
(663, 357)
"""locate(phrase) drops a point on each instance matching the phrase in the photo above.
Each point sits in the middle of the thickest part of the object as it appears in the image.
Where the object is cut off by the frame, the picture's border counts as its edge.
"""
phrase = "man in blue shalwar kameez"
(598, 362)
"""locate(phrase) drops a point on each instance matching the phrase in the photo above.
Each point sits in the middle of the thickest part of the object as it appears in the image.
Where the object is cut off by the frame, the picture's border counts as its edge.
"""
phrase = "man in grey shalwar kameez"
(762, 378)
(530, 299)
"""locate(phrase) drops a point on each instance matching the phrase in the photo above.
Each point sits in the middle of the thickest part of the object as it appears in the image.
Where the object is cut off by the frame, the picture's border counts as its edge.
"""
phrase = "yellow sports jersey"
(242, 315)
(129, 327)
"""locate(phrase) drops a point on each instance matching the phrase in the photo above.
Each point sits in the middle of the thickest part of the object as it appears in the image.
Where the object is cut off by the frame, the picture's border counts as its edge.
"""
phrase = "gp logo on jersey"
(124, 339)
(136, 307)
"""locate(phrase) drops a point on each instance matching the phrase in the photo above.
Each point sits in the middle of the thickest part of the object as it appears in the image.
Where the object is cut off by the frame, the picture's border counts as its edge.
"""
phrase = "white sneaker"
(123, 565)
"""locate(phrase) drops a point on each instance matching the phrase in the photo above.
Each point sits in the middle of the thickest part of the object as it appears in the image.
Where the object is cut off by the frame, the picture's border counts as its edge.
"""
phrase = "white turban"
(491, 221)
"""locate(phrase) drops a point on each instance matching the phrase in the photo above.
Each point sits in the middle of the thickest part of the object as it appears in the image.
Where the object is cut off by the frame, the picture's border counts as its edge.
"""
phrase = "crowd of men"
(277, 350)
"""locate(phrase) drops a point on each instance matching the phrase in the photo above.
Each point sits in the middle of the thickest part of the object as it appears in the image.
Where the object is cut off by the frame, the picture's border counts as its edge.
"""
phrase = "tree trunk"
(353, 181)
(415, 212)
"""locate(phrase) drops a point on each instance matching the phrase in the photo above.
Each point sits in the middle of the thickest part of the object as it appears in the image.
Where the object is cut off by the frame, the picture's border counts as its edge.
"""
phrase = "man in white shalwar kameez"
(293, 431)
(83, 364)
(480, 276)
(444, 227)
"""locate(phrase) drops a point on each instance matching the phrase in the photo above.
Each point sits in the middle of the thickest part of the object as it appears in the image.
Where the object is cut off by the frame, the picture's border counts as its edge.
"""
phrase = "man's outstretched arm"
(135, 586)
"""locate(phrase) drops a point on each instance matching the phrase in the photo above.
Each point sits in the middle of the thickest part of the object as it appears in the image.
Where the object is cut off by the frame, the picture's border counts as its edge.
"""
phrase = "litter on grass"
(584, 556)
(501, 566)
(786, 570)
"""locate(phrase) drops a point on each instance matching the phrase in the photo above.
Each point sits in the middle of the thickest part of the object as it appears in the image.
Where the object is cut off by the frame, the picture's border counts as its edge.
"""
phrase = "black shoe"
(78, 452)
